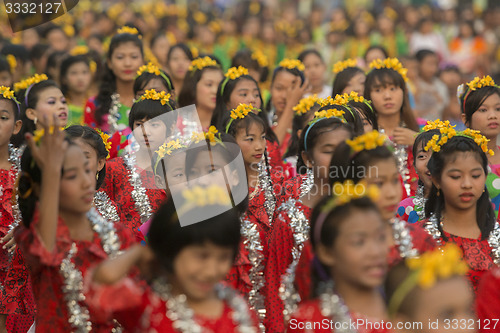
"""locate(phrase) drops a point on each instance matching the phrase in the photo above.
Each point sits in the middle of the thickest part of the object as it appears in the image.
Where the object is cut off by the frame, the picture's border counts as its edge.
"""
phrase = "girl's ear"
(299, 133)
(31, 114)
(159, 182)
(100, 164)
(17, 126)
(305, 157)
(436, 182)
(463, 119)
(325, 255)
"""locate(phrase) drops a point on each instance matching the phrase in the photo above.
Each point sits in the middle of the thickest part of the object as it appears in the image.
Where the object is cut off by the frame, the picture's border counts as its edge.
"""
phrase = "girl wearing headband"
(348, 77)
(348, 236)
(288, 269)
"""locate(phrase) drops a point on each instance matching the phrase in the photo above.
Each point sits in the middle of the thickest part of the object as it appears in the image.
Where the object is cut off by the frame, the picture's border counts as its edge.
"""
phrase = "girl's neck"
(205, 116)
(252, 175)
(144, 158)
(365, 301)
(320, 189)
(462, 223)
(177, 86)
(4, 157)
(78, 225)
(389, 123)
(78, 99)
(126, 91)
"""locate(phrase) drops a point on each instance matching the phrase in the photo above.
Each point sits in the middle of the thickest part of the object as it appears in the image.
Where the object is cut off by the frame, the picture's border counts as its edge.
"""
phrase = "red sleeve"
(422, 241)
(488, 301)
(89, 113)
(303, 272)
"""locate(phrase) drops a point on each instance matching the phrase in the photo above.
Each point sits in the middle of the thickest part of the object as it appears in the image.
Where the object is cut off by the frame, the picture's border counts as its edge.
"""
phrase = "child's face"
(6, 79)
(487, 118)
(152, 133)
(206, 88)
(245, 92)
(367, 127)
(198, 268)
(359, 254)
(8, 124)
(78, 77)
(51, 102)
(125, 61)
(155, 84)
(95, 164)
(462, 181)
(421, 161)
(387, 100)
(77, 182)
(429, 67)
(252, 143)
(448, 301)
(385, 175)
(160, 49)
(178, 64)
(374, 54)
(175, 168)
(283, 82)
(315, 70)
(357, 84)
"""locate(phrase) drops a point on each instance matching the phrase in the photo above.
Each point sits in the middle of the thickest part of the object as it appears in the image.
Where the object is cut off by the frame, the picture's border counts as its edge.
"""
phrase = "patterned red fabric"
(421, 240)
(276, 161)
(117, 186)
(309, 314)
(488, 302)
(47, 281)
(142, 310)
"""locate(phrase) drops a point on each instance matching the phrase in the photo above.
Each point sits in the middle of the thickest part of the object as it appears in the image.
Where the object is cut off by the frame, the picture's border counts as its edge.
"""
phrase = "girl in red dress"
(129, 179)
(16, 315)
(386, 87)
(288, 271)
(62, 234)
(459, 209)
(488, 302)
(187, 263)
(431, 294)
(109, 110)
(348, 235)
(369, 158)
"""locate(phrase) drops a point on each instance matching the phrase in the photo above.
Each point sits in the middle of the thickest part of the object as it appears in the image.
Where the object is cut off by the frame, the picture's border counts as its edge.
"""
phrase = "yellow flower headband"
(24, 84)
(232, 74)
(240, 112)
(260, 57)
(292, 64)
(212, 136)
(153, 69)
(426, 270)
(79, 50)
(367, 141)
(11, 59)
(194, 52)
(204, 196)
(477, 83)
(342, 65)
(343, 193)
(436, 124)
(346, 98)
(200, 63)
(329, 114)
(105, 140)
(9, 94)
(306, 104)
(449, 132)
(167, 149)
(392, 63)
(163, 97)
(129, 30)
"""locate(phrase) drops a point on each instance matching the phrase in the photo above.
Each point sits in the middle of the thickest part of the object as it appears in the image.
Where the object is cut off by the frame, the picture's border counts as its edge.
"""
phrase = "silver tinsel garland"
(332, 306)
(15, 158)
(419, 203)
(105, 207)
(402, 238)
(113, 115)
(402, 162)
(266, 185)
(138, 194)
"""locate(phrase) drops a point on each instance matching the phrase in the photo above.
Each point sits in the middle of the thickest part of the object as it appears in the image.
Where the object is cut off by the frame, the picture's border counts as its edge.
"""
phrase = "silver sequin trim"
(105, 207)
(402, 238)
(138, 194)
(332, 306)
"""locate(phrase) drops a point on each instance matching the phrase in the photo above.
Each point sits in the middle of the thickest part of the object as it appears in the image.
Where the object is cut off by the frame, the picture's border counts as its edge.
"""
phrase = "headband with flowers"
(292, 64)
(342, 65)
(436, 124)
(343, 193)
(232, 74)
(477, 83)
(260, 57)
(167, 149)
(426, 270)
(153, 69)
(241, 112)
(446, 133)
(200, 63)
(213, 195)
(9, 94)
(344, 100)
(129, 30)
(79, 50)
(392, 63)
(367, 141)
(319, 116)
(212, 136)
(105, 140)
(305, 104)
(163, 97)
(25, 84)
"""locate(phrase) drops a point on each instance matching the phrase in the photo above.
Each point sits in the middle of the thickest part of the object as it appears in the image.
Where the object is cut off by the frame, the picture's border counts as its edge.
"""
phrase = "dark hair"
(244, 58)
(485, 214)
(244, 123)
(351, 116)
(303, 55)
(149, 109)
(29, 176)
(293, 71)
(183, 47)
(4, 65)
(298, 123)
(32, 98)
(376, 47)
(38, 51)
(342, 79)
(388, 76)
(93, 139)
(187, 96)
(353, 167)
(311, 134)
(18, 51)
(367, 111)
(168, 238)
(471, 101)
(221, 114)
(65, 66)
(15, 107)
(422, 54)
(108, 83)
(54, 60)
(142, 80)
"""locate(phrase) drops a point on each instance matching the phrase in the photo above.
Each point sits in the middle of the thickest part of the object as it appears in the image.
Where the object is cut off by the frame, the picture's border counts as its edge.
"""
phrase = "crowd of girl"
(354, 212)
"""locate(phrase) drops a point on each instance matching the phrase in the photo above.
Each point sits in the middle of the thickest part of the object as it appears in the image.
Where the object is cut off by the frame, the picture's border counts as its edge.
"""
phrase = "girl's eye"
(179, 175)
(454, 177)
(5, 118)
(395, 181)
(497, 109)
(476, 176)
(482, 110)
(358, 242)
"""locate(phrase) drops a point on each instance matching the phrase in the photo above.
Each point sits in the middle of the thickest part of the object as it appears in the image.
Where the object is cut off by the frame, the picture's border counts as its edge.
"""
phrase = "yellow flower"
(437, 124)
(38, 134)
(105, 140)
(292, 63)
(367, 141)
(29, 81)
(329, 114)
(305, 105)
(242, 111)
(346, 98)
(162, 96)
(344, 193)
(260, 57)
(392, 63)
(342, 65)
(129, 30)
(479, 83)
(149, 68)
(212, 136)
(7, 93)
(200, 63)
(194, 52)
(11, 59)
(69, 30)
(92, 66)
(204, 196)
(200, 17)
(79, 50)
(235, 72)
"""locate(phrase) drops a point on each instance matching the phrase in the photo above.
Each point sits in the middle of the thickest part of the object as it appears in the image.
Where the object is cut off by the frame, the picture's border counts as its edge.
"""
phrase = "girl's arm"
(49, 156)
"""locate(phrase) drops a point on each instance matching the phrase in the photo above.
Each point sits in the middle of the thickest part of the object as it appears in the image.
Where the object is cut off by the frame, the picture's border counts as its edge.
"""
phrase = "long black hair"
(187, 96)
(367, 111)
(485, 214)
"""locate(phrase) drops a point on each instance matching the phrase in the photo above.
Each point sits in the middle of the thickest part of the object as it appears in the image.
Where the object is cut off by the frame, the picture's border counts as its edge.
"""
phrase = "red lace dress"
(16, 298)
(118, 186)
(488, 302)
(477, 254)
(308, 318)
(290, 256)
(45, 270)
(140, 309)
